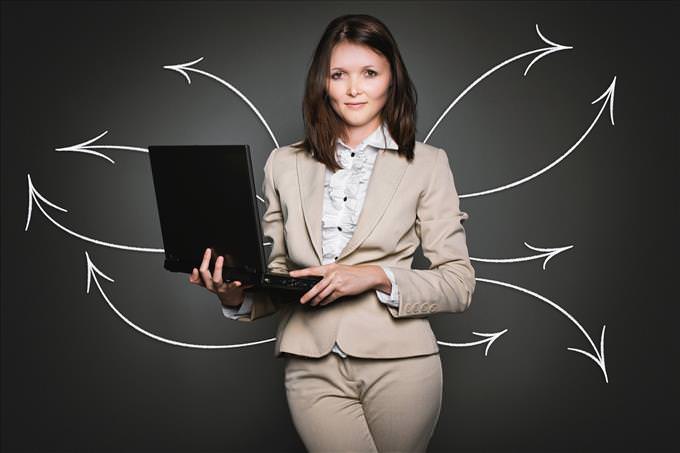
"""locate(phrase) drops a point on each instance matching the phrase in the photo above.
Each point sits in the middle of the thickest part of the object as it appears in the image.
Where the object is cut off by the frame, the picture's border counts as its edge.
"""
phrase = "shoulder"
(286, 152)
(425, 155)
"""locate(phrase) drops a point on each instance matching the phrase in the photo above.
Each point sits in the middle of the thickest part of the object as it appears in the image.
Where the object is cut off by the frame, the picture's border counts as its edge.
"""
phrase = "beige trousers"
(364, 405)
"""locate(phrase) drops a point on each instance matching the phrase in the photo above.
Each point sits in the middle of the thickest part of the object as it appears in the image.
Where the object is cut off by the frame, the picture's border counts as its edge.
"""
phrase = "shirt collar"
(380, 138)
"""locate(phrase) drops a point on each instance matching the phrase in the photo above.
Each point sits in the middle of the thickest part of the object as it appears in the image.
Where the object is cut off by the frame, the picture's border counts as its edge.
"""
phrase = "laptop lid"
(206, 198)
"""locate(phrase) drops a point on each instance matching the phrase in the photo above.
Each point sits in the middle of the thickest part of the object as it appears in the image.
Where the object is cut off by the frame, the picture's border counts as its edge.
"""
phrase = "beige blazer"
(406, 204)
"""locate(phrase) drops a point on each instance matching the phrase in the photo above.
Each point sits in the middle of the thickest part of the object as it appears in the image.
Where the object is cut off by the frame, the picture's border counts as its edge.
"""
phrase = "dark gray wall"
(76, 377)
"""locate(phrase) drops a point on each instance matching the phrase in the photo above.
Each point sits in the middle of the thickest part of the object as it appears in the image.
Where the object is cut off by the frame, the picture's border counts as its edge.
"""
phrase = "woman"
(351, 203)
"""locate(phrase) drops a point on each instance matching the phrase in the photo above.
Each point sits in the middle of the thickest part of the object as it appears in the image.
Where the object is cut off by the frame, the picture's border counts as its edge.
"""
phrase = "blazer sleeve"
(263, 304)
(448, 284)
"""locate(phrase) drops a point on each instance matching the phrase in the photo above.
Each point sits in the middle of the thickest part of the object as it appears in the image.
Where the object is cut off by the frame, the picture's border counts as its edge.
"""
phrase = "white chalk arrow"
(93, 271)
(86, 147)
(491, 337)
(35, 197)
(549, 253)
(607, 101)
(184, 67)
(598, 357)
(542, 52)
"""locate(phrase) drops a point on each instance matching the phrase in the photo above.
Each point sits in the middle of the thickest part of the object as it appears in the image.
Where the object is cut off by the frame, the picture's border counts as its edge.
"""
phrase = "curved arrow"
(550, 252)
(34, 195)
(542, 53)
(599, 354)
(608, 97)
(92, 272)
(491, 337)
(182, 68)
(86, 148)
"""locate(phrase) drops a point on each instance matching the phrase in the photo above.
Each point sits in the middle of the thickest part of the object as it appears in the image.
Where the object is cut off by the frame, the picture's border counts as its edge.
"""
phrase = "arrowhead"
(91, 269)
(554, 47)
(82, 148)
(608, 96)
(554, 251)
(182, 67)
(33, 196)
(491, 338)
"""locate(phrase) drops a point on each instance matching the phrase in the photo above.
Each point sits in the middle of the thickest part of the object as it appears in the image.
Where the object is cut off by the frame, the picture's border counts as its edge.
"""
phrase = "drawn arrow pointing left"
(183, 68)
(92, 272)
(86, 148)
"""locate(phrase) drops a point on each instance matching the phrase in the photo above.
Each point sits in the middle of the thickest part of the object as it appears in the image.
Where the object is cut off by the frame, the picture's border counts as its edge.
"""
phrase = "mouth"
(357, 105)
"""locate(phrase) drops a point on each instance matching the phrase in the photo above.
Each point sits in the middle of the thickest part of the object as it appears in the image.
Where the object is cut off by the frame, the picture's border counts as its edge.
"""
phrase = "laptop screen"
(206, 198)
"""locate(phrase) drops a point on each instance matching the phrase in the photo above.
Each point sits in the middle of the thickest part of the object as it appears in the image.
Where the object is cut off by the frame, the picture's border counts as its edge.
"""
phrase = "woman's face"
(358, 75)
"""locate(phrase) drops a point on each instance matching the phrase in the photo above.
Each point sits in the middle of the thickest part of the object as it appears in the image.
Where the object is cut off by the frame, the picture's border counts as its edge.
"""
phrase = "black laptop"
(206, 198)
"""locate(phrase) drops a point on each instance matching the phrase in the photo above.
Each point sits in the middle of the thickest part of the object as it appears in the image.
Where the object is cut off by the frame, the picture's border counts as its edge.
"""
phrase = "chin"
(358, 119)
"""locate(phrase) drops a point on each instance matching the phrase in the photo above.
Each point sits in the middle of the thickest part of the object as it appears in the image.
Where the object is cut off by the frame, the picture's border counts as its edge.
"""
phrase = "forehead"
(347, 55)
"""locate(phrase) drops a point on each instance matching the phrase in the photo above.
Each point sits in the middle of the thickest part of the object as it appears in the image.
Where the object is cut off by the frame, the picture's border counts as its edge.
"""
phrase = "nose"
(353, 88)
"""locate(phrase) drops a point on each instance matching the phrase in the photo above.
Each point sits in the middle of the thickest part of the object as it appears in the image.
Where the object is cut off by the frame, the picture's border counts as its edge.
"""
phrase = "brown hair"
(322, 124)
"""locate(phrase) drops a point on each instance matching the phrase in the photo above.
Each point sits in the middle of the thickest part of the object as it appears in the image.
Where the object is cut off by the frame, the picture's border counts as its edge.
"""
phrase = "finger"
(327, 291)
(314, 270)
(205, 273)
(195, 278)
(330, 299)
(206, 261)
(217, 273)
(298, 273)
(313, 291)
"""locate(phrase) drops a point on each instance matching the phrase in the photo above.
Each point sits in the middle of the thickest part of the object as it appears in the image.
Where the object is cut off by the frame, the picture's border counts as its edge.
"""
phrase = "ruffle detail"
(352, 182)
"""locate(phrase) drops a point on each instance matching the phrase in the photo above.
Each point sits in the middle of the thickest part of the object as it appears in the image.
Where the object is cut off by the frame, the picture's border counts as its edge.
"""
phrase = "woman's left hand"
(338, 280)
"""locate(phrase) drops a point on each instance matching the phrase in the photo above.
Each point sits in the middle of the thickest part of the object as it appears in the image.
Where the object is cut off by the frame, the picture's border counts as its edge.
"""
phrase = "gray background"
(76, 377)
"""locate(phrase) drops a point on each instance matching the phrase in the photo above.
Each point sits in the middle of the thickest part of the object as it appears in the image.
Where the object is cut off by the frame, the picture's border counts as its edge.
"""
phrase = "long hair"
(322, 124)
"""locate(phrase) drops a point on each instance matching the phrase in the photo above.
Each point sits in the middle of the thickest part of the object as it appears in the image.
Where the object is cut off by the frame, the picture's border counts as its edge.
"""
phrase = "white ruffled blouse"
(344, 195)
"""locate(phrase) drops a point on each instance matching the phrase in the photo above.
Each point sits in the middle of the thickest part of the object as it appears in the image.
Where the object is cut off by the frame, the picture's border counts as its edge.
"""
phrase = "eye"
(373, 72)
(334, 74)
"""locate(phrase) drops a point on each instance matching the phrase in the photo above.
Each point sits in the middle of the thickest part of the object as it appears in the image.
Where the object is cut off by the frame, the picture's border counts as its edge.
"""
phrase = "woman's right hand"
(230, 294)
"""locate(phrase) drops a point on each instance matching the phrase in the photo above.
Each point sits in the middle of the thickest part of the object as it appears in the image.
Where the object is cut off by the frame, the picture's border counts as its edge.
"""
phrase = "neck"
(355, 135)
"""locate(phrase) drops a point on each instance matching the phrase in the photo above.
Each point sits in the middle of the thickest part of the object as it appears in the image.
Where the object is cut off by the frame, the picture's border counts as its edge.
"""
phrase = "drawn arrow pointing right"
(608, 101)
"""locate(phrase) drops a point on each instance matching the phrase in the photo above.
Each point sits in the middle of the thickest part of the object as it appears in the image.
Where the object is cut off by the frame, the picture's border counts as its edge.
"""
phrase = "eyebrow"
(367, 66)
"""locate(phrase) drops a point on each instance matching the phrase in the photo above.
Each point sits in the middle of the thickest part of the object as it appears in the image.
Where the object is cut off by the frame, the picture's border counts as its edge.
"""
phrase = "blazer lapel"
(388, 169)
(311, 174)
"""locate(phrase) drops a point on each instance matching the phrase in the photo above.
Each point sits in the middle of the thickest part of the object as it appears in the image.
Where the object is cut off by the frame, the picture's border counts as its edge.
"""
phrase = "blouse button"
(352, 154)
(339, 229)
(336, 257)
(344, 199)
